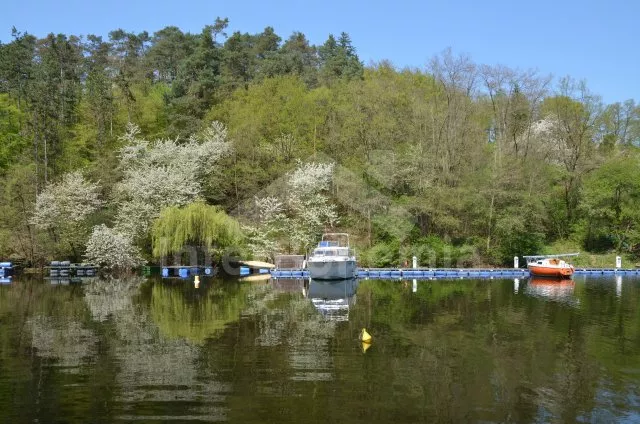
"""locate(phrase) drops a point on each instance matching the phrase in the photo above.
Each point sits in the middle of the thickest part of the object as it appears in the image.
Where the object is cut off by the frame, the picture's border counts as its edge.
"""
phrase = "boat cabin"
(331, 251)
(551, 261)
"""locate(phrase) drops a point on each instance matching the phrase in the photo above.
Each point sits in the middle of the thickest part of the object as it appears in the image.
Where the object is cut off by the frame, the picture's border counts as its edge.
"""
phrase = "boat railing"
(335, 238)
(533, 258)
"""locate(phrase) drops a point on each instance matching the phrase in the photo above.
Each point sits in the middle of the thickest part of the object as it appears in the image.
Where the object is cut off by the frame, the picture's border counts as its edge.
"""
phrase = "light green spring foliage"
(496, 158)
(196, 223)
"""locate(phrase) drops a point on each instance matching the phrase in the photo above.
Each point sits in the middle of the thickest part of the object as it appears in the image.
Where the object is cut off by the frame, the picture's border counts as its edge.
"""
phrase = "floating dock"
(183, 271)
(6, 270)
(432, 273)
(63, 269)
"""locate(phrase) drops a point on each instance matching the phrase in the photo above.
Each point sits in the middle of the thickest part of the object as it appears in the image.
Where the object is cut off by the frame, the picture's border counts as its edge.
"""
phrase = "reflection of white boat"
(333, 259)
(333, 298)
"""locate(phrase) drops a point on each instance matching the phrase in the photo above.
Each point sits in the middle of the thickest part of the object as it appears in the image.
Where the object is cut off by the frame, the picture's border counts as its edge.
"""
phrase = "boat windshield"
(324, 252)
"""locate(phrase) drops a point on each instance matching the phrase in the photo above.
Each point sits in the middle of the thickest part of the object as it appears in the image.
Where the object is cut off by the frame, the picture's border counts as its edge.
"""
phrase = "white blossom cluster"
(70, 200)
(146, 192)
(544, 127)
(309, 206)
(298, 216)
(311, 178)
(163, 173)
(262, 240)
(111, 249)
(549, 142)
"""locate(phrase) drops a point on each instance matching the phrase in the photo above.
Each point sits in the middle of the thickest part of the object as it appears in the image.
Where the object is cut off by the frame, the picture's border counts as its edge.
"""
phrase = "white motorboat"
(333, 259)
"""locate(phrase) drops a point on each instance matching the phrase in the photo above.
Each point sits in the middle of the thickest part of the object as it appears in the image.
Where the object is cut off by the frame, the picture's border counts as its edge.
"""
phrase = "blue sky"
(592, 40)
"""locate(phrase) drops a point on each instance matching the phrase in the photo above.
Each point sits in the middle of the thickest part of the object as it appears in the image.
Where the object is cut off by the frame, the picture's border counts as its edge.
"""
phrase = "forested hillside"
(456, 162)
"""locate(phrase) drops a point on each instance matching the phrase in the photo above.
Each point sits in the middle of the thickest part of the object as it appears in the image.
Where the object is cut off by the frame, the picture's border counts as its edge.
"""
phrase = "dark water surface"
(287, 351)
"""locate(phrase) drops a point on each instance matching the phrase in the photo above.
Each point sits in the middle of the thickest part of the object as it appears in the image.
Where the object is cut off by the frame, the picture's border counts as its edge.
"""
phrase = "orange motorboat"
(550, 266)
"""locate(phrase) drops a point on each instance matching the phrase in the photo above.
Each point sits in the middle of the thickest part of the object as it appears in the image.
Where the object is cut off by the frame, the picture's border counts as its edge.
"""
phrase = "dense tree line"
(456, 162)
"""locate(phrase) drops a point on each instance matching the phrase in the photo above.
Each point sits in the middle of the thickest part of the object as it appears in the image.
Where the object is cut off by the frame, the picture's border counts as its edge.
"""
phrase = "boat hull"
(331, 270)
(550, 271)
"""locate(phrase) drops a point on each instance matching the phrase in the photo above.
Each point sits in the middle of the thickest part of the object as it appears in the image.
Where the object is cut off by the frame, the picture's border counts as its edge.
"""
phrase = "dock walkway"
(386, 273)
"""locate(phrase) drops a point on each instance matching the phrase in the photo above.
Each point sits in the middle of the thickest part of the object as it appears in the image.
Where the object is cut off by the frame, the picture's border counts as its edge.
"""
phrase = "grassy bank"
(588, 259)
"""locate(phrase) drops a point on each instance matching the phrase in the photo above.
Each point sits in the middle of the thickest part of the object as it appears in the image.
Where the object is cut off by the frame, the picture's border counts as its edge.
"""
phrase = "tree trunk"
(46, 162)
(493, 197)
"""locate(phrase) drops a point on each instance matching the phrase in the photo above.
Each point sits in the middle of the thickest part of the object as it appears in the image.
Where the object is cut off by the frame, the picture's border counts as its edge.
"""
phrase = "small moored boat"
(550, 266)
(333, 259)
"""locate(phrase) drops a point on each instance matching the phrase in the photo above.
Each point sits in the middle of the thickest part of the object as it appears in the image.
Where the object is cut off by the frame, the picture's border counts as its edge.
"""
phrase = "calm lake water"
(150, 350)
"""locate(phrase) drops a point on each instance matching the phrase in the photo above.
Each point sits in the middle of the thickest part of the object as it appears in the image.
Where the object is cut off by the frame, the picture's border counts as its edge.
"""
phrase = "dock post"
(516, 262)
(415, 262)
(618, 262)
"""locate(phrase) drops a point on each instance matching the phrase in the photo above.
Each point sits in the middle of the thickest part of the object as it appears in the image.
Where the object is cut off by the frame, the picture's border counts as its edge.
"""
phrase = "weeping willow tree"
(196, 223)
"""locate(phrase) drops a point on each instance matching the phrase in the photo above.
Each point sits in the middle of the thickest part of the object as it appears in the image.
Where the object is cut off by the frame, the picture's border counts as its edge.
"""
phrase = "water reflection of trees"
(46, 348)
(156, 373)
(289, 320)
(184, 312)
(57, 328)
(468, 346)
(451, 351)
(66, 341)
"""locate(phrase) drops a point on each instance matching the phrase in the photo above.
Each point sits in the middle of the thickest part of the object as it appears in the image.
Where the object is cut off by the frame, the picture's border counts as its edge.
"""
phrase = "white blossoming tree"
(262, 239)
(294, 220)
(157, 175)
(62, 210)
(163, 173)
(547, 144)
(113, 250)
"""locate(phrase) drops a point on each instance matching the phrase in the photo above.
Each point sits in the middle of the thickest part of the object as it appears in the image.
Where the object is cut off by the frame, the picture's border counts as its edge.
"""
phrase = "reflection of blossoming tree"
(151, 367)
(298, 326)
(107, 298)
(62, 339)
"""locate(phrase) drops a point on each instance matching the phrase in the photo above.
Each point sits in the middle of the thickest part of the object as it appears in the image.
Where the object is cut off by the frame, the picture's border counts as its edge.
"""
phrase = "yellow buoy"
(364, 336)
(365, 347)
